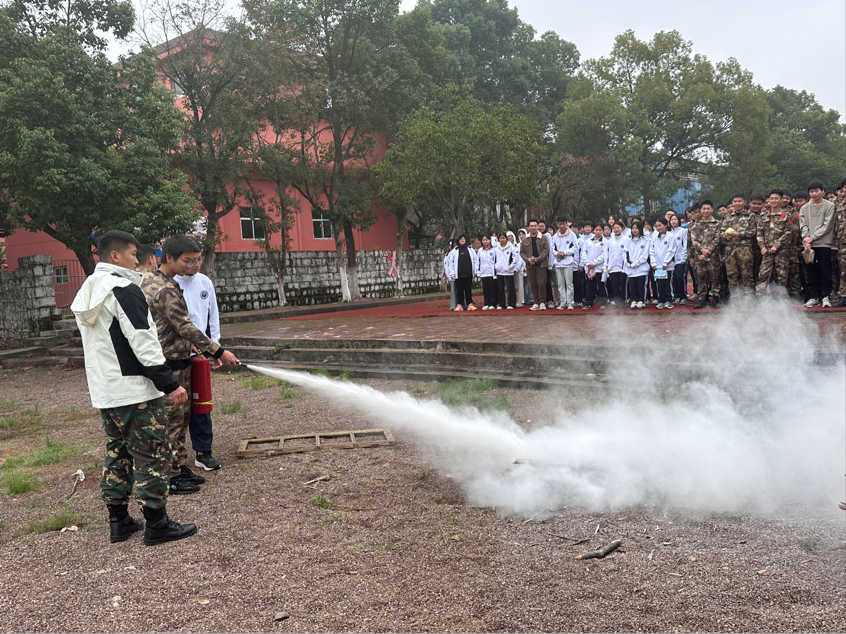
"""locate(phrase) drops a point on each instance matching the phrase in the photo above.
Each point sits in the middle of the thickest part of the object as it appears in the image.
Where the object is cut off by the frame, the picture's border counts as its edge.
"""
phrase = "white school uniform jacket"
(636, 256)
(593, 252)
(124, 362)
(199, 294)
(474, 262)
(506, 259)
(449, 265)
(486, 262)
(662, 250)
(567, 244)
(681, 244)
(614, 256)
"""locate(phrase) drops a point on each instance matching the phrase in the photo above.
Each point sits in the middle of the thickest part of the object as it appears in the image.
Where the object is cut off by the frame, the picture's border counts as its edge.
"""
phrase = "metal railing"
(68, 277)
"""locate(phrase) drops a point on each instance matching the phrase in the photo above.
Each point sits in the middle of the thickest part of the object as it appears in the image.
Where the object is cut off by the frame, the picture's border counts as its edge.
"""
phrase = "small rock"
(281, 616)
(117, 597)
(692, 558)
(203, 601)
(763, 573)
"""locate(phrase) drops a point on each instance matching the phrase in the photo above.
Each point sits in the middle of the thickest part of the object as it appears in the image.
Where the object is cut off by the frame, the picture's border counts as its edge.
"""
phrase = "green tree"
(808, 141)
(358, 65)
(85, 146)
(209, 60)
(459, 162)
(689, 119)
(502, 57)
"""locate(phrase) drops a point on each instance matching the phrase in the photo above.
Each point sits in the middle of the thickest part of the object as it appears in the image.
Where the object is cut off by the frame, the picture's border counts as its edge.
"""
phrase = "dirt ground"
(390, 547)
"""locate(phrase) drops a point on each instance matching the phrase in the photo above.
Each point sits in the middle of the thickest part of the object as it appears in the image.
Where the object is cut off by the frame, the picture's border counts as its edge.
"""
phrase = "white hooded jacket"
(124, 361)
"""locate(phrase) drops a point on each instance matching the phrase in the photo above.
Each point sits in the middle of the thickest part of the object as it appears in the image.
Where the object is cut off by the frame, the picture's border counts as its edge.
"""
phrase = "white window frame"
(252, 224)
(320, 219)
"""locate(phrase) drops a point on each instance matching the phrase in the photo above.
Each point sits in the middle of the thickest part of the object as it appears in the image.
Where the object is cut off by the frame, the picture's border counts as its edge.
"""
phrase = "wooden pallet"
(300, 443)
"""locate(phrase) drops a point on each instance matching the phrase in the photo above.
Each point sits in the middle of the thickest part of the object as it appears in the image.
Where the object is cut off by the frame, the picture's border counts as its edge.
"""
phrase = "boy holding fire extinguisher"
(179, 337)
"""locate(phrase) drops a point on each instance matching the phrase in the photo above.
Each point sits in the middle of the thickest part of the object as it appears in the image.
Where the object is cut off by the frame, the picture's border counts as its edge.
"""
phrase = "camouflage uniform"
(840, 241)
(176, 334)
(738, 251)
(796, 273)
(137, 453)
(690, 224)
(778, 230)
(705, 234)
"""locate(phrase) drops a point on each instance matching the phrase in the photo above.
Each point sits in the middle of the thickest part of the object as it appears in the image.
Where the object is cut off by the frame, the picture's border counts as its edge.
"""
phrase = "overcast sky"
(808, 49)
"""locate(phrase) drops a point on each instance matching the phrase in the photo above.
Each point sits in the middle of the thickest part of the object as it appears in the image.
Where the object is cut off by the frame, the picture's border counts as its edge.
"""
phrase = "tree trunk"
(86, 260)
(277, 265)
(280, 287)
(341, 262)
(209, 245)
(398, 257)
(352, 268)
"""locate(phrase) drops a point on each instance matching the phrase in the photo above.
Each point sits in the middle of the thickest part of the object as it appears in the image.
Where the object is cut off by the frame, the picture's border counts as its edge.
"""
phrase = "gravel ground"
(397, 551)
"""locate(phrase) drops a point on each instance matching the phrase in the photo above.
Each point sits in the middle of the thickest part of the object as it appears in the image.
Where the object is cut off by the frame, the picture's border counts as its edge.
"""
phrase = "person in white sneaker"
(486, 270)
(506, 261)
(614, 265)
(534, 250)
(662, 253)
(636, 268)
(592, 259)
(565, 260)
(817, 223)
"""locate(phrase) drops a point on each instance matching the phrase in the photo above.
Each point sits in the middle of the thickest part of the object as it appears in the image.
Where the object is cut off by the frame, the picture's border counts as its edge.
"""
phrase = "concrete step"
(19, 353)
(416, 373)
(67, 351)
(35, 362)
(66, 324)
(51, 337)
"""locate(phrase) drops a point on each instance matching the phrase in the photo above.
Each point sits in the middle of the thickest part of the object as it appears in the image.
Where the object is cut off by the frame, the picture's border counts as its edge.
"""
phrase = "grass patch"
(320, 502)
(473, 392)
(51, 453)
(346, 375)
(11, 463)
(232, 408)
(261, 382)
(70, 411)
(453, 521)
(321, 372)
(286, 394)
(19, 482)
(58, 521)
(7, 405)
(26, 421)
(334, 516)
(34, 503)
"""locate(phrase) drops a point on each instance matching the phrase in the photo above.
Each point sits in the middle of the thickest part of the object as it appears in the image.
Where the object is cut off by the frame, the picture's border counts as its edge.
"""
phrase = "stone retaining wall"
(244, 281)
(26, 300)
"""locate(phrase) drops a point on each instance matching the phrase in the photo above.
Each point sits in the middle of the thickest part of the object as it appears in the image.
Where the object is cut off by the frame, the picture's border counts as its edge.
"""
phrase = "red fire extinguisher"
(201, 385)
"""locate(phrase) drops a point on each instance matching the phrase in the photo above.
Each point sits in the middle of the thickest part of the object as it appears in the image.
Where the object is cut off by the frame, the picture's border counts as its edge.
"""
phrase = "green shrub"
(19, 482)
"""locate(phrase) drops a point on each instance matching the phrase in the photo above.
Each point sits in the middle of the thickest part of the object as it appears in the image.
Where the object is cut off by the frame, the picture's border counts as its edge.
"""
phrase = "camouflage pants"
(837, 271)
(137, 454)
(775, 269)
(178, 419)
(841, 262)
(708, 275)
(739, 267)
(797, 274)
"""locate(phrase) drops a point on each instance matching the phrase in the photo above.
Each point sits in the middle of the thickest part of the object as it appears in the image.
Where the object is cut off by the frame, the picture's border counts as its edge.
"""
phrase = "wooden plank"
(247, 448)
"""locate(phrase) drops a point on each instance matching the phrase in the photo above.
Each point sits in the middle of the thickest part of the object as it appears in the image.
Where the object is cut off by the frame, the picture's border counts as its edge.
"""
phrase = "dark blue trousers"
(200, 427)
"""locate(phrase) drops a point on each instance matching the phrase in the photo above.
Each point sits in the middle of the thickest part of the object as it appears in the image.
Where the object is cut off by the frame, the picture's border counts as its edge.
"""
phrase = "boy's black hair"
(800, 194)
(177, 245)
(816, 185)
(531, 220)
(144, 253)
(706, 202)
(780, 192)
(562, 219)
(696, 206)
(114, 240)
(588, 223)
(756, 197)
(740, 195)
(842, 184)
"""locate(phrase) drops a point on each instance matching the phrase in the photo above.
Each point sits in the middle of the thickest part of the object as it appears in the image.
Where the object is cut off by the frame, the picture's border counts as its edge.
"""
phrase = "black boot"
(180, 486)
(161, 529)
(188, 476)
(840, 303)
(700, 304)
(121, 525)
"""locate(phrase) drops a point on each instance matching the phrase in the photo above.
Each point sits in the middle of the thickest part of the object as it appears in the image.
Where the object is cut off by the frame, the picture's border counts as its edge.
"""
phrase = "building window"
(322, 225)
(251, 229)
(61, 274)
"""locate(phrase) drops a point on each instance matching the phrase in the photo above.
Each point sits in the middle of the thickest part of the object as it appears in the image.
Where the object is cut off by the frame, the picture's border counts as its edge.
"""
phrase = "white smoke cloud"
(729, 414)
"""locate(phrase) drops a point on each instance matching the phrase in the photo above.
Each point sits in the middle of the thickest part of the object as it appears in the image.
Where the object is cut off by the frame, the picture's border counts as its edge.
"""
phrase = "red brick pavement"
(580, 326)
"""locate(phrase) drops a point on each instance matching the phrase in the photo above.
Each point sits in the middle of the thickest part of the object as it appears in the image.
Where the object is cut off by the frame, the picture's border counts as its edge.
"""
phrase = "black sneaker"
(839, 303)
(180, 486)
(166, 530)
(700, 304)
(120, 530)
(188, 476)
(206, 461)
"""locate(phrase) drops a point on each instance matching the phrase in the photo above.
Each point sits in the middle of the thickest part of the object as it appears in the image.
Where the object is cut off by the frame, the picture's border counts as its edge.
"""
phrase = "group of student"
(796, 241)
